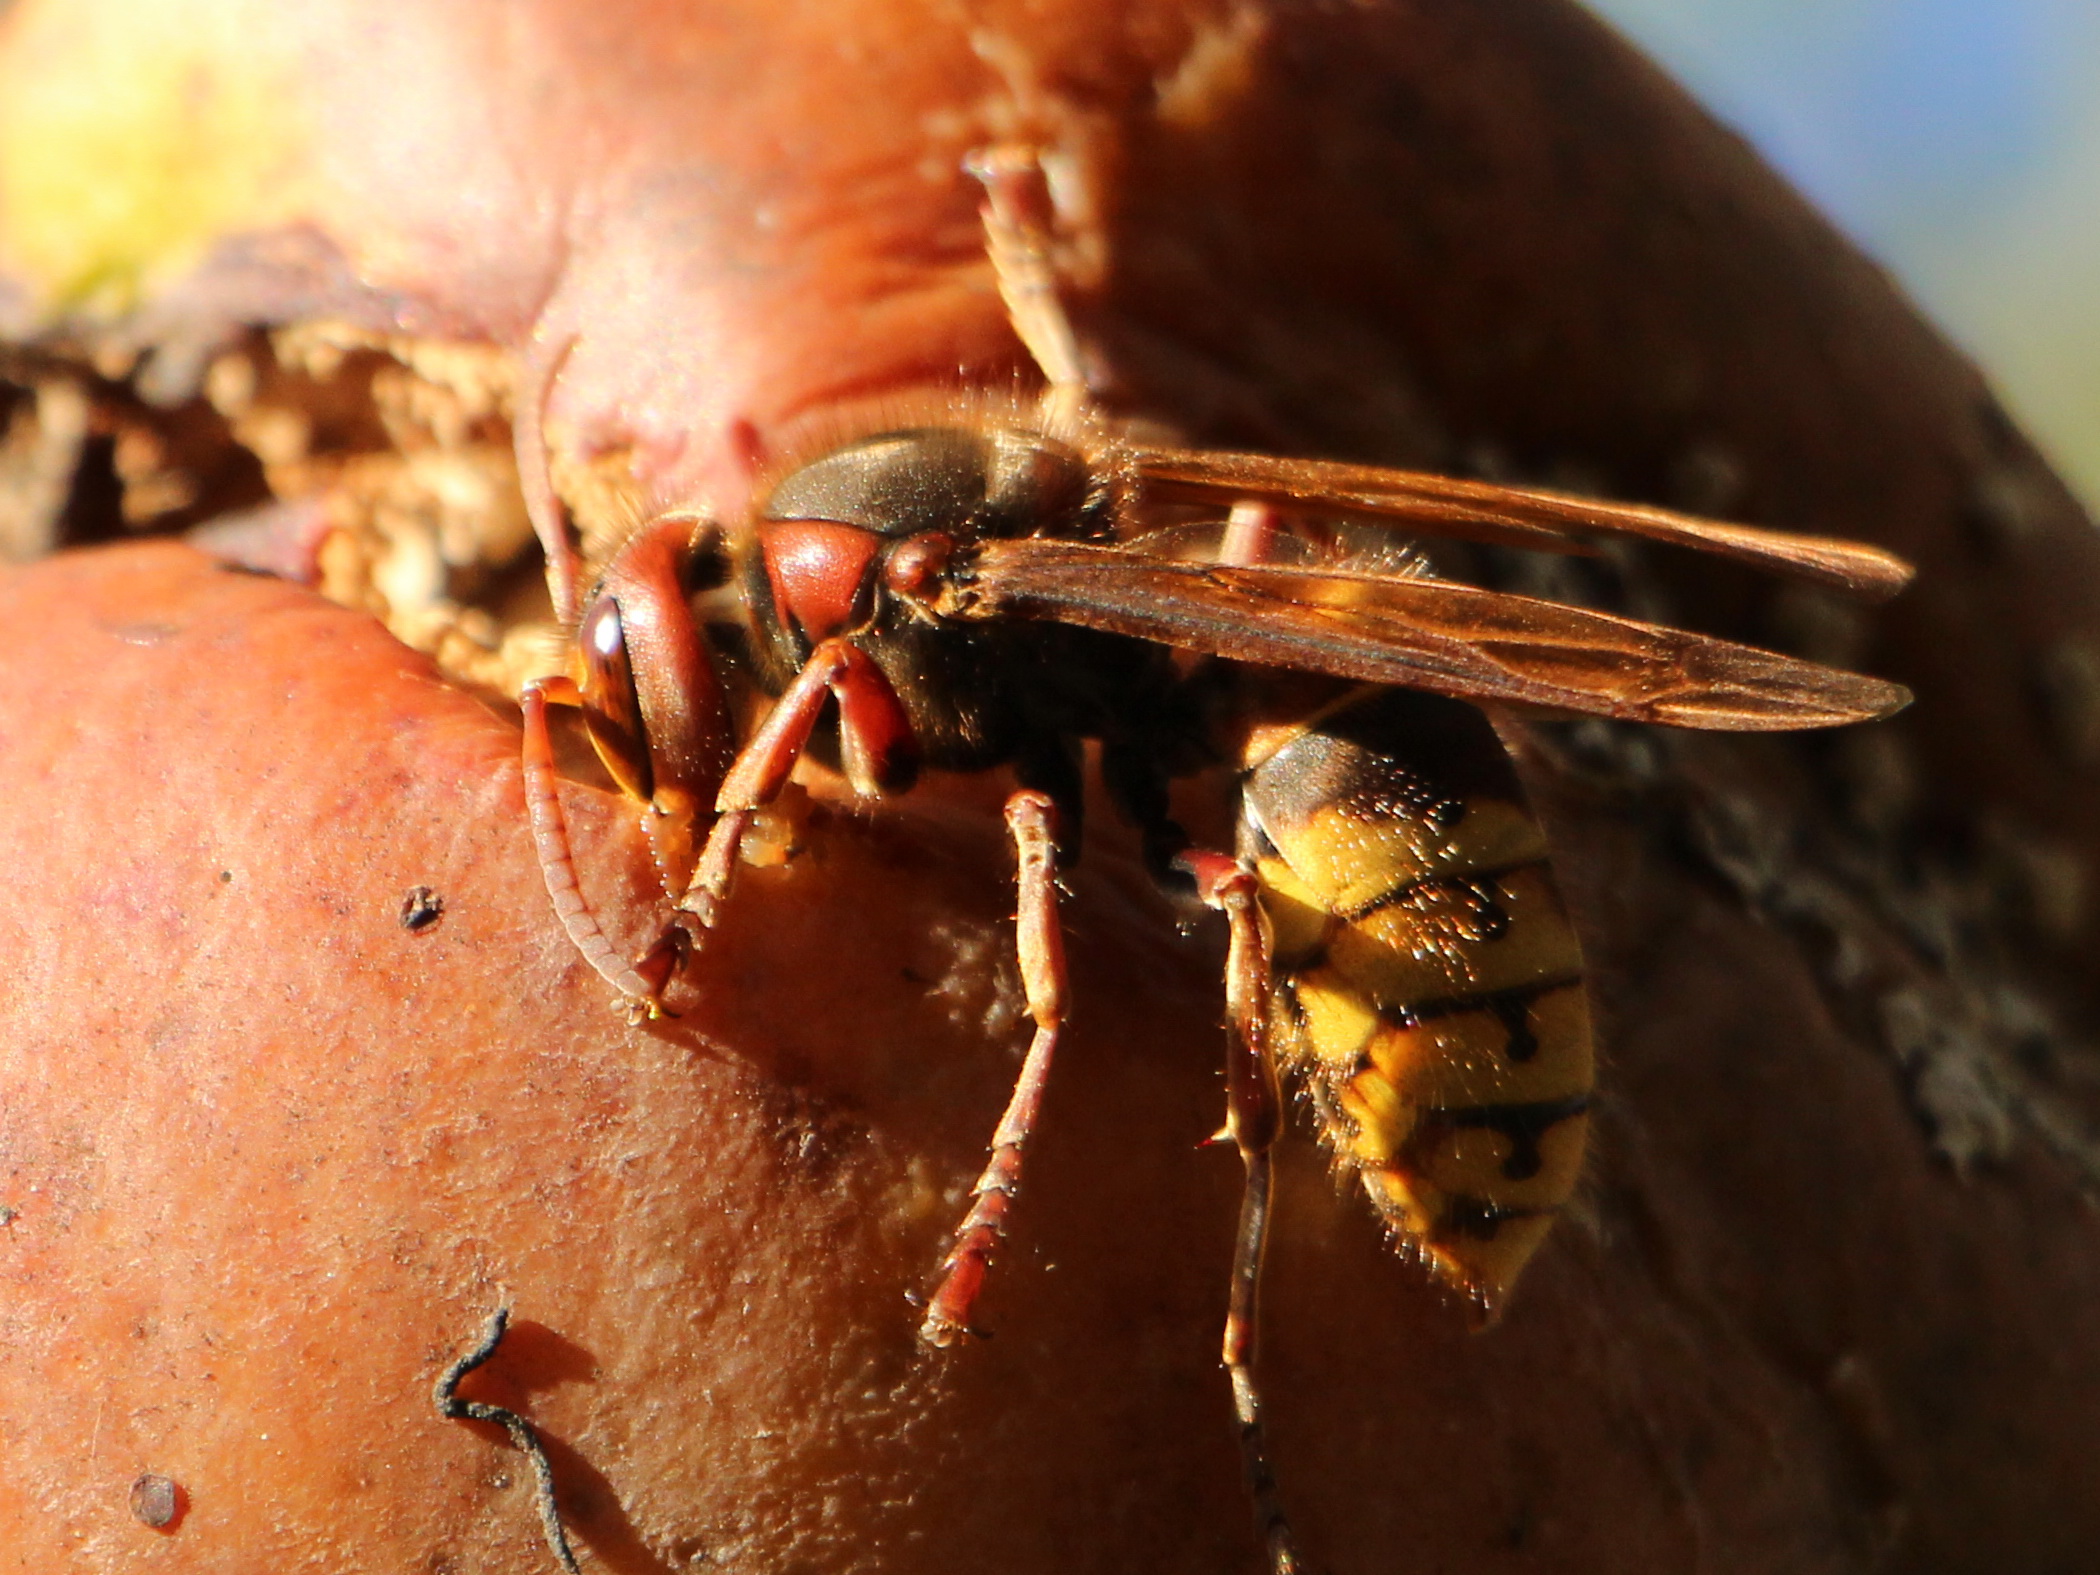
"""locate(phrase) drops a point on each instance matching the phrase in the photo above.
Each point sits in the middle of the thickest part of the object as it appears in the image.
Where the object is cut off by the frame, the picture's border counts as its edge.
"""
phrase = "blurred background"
(1958, 141)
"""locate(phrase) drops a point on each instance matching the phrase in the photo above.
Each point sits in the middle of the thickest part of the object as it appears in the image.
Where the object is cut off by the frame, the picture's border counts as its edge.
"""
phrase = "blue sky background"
(1959, 140)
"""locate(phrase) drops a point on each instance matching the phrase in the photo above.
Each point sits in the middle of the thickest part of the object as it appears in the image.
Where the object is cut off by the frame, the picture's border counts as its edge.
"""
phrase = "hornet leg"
(1031, 819)
(878, 749)
(1253, 1116)
(1017, 216)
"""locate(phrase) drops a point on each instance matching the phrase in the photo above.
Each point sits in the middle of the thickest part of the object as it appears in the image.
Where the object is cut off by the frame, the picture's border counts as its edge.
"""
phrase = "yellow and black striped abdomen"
(1429, 986)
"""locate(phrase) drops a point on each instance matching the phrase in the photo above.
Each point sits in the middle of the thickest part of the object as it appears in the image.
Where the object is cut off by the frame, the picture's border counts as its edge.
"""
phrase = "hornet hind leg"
(1253, 1118)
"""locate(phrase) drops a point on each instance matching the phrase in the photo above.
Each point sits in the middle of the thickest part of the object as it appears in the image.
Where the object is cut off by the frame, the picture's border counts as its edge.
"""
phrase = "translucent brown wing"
(1520, 516)
(1421, 633)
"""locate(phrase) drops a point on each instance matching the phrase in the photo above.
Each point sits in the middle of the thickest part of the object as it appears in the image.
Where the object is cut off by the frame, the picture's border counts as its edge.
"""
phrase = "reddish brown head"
(652, 701)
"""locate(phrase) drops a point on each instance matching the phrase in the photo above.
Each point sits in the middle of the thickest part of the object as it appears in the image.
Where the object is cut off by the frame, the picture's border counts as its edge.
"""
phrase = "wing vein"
(1422, 633)
(1519, 516)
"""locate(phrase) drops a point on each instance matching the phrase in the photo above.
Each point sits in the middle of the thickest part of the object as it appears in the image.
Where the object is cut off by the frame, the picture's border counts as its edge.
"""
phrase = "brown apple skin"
(272, 1157)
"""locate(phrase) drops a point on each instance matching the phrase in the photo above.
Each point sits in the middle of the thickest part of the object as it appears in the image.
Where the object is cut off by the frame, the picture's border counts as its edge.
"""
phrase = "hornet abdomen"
(1429, 986)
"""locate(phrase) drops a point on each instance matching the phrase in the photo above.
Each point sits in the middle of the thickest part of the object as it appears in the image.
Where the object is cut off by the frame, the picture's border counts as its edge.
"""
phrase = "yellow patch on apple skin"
(128, 148)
